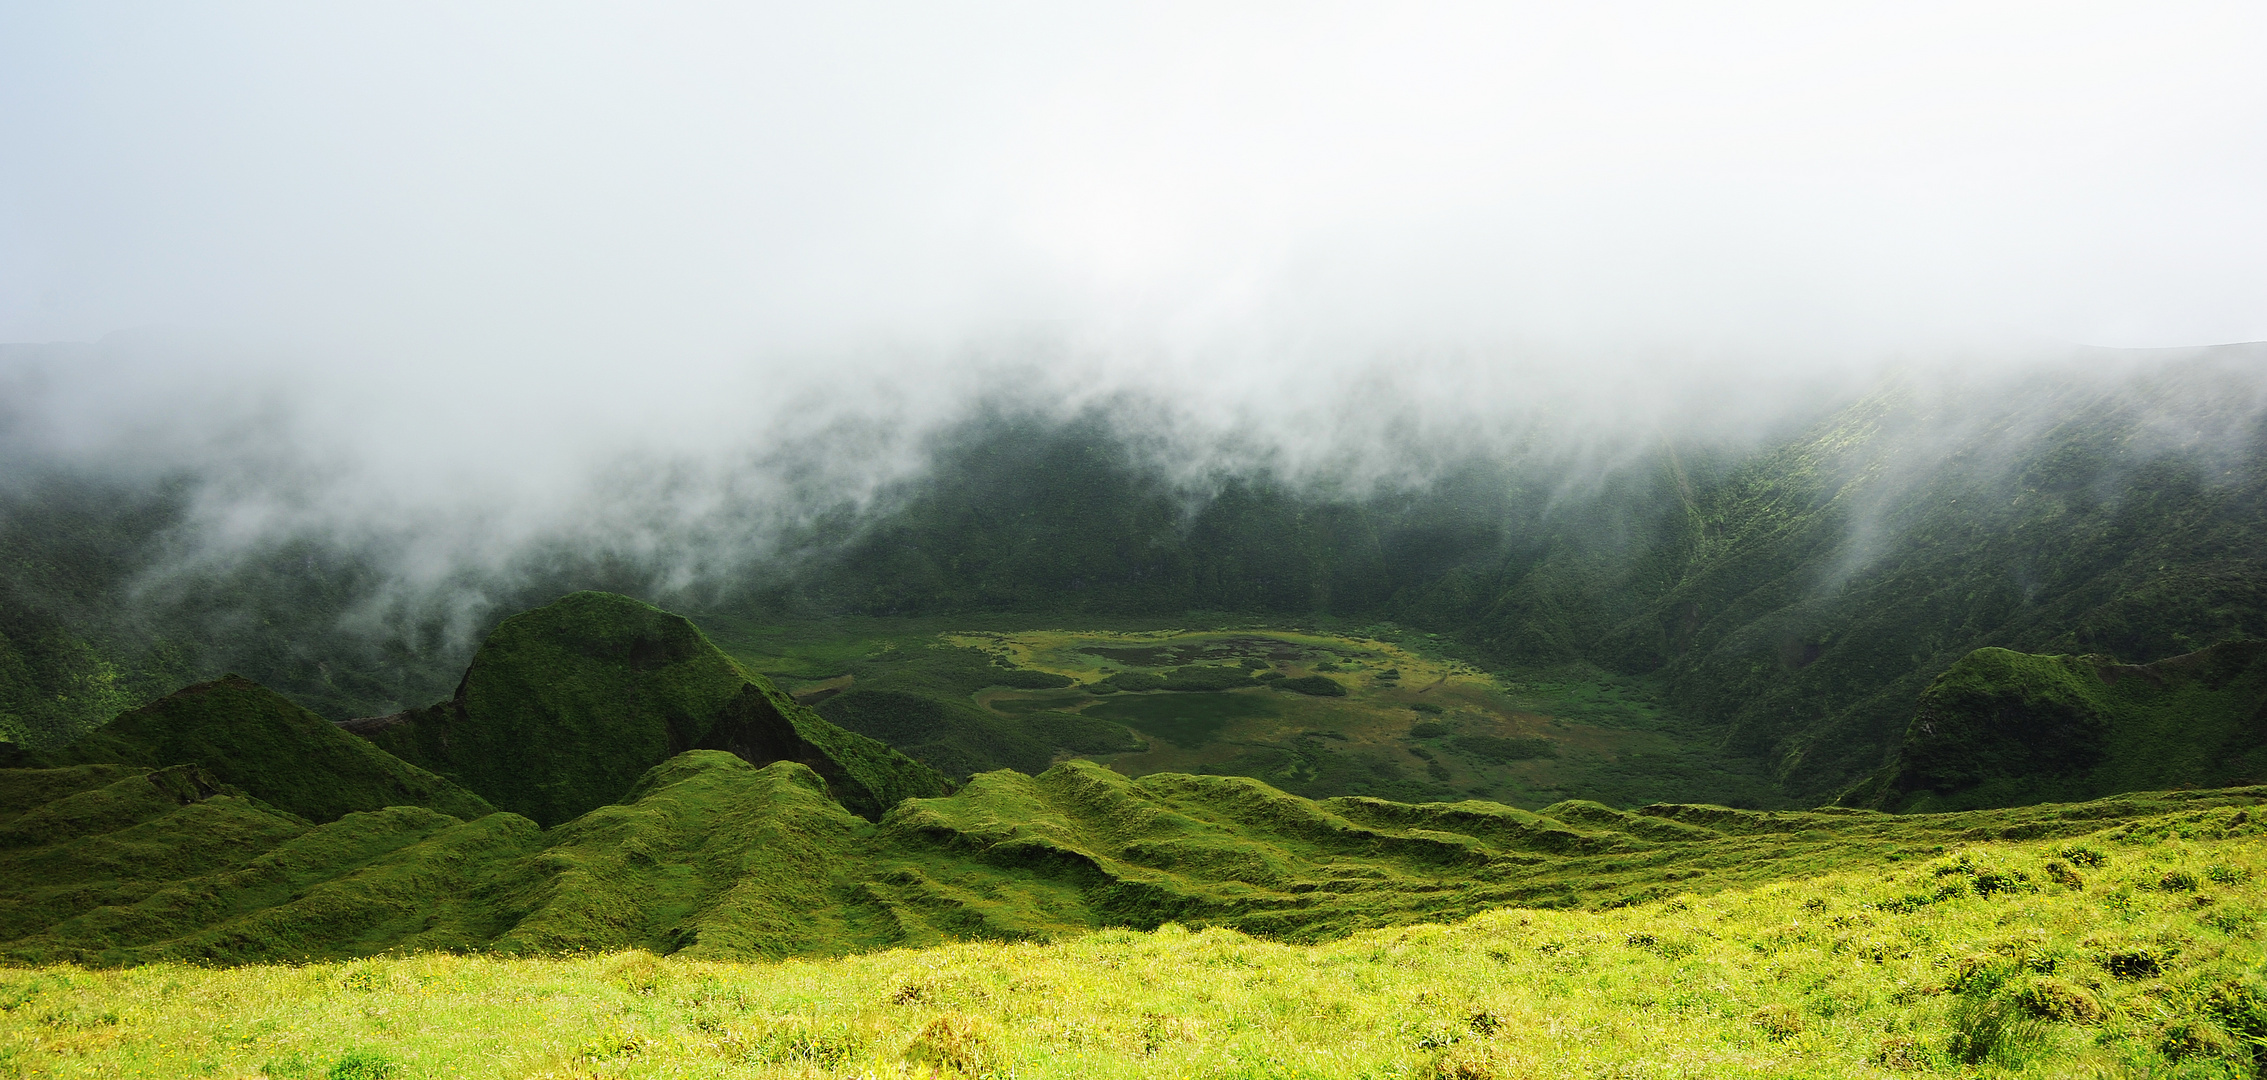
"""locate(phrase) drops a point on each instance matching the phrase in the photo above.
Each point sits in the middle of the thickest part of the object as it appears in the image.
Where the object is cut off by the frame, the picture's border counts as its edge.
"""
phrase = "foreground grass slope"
(2132, 951)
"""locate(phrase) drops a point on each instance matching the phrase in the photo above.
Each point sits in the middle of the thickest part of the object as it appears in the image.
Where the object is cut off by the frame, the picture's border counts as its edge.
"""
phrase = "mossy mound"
(254, 739)
(566, 706)
(709, 857)
(2002, 728)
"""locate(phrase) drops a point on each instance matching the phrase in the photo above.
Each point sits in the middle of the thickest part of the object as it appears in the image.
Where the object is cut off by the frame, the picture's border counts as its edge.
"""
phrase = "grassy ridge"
(717, 858)
(2133, 951)
(566, 706)
(2002, 727)
(253, 738)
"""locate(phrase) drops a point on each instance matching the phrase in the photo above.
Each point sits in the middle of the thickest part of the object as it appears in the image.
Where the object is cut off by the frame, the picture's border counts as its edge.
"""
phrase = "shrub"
(1314, 686)
(1426, 707)
(1987, 882)
(2083, 855)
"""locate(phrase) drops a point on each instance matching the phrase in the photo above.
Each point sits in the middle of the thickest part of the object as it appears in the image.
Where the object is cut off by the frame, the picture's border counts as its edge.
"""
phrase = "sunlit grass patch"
(1979, 961)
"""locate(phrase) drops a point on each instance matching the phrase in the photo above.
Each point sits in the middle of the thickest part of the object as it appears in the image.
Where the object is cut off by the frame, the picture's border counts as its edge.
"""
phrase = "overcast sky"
(550, 218)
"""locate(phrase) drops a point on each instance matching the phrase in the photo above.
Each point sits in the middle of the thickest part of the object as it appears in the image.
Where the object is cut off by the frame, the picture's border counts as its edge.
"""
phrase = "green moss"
(254, 739)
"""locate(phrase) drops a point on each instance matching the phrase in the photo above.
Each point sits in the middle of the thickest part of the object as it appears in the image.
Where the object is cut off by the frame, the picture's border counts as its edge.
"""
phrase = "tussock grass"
(2133, 952)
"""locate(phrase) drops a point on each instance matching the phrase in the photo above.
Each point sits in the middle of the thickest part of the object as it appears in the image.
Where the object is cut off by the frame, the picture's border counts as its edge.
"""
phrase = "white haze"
(467, 276)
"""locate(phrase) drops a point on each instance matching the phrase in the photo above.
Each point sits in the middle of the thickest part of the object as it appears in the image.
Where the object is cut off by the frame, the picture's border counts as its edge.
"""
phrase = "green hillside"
(2133, 953)
(1782, 601)
(718, 858)
(2003, 728)
(253, 739)
(566, 706)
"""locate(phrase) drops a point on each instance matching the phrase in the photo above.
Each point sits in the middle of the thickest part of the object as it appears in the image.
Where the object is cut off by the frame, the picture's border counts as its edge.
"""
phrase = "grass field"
(2133, 952)
(1416, 724)
(1407, 727)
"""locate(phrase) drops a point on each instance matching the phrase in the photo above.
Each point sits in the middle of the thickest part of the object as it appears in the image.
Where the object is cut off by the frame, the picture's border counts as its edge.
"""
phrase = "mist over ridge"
(443, 500)
(1767, 359)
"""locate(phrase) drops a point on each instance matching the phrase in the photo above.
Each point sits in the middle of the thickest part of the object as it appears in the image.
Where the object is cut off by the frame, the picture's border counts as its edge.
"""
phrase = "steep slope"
(565, 706)
(255, 740)
(2002, 728)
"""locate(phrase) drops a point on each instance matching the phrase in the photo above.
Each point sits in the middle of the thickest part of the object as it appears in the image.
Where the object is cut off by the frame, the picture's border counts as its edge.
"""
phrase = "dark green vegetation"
(917, 694)
(565, 707)
(249, 737)
(715, 857)
(1792, 600)
(1770, 612)
(2002, 728)
(1188, 720)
